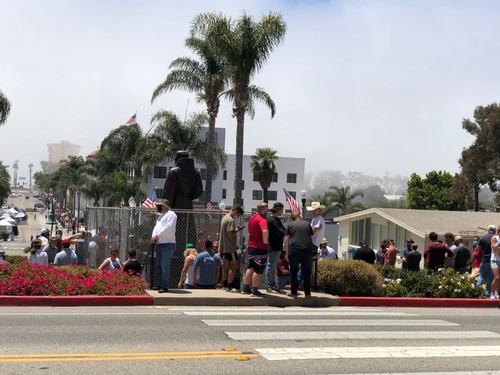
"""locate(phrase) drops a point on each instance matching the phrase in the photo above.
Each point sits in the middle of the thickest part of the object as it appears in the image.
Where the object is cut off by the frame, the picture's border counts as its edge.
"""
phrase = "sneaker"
(234, 290)
(256, 293)
(290, 294)
(162, 290)
(246, 291)
(272, 289)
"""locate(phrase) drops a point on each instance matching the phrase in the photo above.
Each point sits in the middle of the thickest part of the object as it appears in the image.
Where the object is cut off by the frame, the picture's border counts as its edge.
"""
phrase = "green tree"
(206, 78)
(343, 198)
(4, 184)
(263, 168)
(244, 45)
(431, 192)
(4, 108)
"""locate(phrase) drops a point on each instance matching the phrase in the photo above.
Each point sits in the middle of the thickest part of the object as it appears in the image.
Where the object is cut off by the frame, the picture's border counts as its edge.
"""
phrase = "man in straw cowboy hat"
(317, 223)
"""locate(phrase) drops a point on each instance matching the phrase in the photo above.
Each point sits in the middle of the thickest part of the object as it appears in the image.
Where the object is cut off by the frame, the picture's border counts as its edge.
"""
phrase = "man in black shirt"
(132, 265)
(413, 258)
(462, 255)
(485, 273)
(365, 253)
(276, 234)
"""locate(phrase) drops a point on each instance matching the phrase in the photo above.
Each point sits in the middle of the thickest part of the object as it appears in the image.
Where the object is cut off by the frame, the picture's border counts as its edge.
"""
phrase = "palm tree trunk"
(265, 195)
(476, 198)
(238, 171)
(210, 158)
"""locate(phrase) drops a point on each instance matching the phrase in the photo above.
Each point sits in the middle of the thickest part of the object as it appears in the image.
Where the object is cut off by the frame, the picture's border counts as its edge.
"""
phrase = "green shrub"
(450, 284)
(4, 236)
(389, 272)
(409, 284)
(349, 278)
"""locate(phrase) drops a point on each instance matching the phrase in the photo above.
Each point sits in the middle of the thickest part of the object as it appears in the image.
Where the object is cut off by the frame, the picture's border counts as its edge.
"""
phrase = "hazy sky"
(371, 86)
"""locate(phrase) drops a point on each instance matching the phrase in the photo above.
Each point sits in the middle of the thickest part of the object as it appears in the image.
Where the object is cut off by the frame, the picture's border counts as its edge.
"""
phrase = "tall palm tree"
(30, 166)
(245, 46)
(4, 108)
(343, 198)
(263, 167)
(207, 79)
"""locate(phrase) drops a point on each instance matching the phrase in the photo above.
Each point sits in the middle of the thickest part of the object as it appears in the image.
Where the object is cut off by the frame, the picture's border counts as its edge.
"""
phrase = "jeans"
(485, 273)
(282, 281)
(272, 263)
(164, 252)
(302, 258)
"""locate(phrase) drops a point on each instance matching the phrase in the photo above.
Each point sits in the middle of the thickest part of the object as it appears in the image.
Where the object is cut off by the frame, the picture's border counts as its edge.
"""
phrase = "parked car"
(38, 205)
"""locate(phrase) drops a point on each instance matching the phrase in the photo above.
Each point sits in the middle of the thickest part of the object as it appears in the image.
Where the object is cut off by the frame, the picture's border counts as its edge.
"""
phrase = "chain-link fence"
(130, 228)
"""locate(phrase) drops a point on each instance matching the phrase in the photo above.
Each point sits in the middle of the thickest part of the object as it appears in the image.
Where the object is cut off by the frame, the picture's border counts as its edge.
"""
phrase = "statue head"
(181, 155)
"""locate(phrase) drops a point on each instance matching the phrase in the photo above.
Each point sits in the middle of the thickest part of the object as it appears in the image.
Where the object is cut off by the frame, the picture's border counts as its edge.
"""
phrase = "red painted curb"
(418, 302)
(76, 300)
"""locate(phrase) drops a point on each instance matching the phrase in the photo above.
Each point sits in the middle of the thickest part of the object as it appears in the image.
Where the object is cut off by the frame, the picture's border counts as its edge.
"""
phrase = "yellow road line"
(122, 356)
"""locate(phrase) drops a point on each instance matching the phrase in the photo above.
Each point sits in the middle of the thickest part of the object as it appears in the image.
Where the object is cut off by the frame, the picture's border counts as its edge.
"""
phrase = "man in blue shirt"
(206, 268)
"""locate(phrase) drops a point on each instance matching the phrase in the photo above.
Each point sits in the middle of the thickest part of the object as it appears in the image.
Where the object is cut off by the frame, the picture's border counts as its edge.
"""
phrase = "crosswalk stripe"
(275, 354)
(361, 335)
(318, 322)
(293, 313)
(429, 373)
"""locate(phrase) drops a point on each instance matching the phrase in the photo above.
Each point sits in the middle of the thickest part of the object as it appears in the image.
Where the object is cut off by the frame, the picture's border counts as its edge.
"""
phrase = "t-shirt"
(485, 243)
(134, 266)
(256, 225)
(226, 243)
(381, 255)
(207, 263)
(413, 259)
(390, 256)
(477, 255)
(450, 261)
(276, 233)
(365, 254)
(462, 255)
(316, 222)
(435, 255)
(300, 235)
(66, 257)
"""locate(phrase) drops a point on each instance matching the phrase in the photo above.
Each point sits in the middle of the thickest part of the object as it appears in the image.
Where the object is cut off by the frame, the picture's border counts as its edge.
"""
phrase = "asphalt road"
(260, 340)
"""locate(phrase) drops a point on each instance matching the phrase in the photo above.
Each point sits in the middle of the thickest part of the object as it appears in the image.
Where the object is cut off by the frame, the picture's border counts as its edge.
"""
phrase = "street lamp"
(303, 196)
(51, 217)
(222, 205)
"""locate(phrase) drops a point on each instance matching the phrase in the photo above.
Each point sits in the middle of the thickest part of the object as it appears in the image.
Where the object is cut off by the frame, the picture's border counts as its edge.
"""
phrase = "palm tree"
(30, 166)
(4, 108)
(244, 45)
(206, 78)
(342, 197)
(263, 167)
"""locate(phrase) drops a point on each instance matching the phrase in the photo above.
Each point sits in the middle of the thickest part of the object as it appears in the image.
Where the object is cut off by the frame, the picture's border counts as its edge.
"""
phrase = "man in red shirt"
(258, 239)
(390, 254)
(435, 253)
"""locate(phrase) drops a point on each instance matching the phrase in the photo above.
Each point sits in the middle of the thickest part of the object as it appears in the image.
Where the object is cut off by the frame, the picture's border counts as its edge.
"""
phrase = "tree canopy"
(431, 192)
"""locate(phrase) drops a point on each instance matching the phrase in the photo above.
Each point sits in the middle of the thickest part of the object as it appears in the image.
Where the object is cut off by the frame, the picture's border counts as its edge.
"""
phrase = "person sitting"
(132, 265)
(186, 280)
(206, 268)
(112, 263)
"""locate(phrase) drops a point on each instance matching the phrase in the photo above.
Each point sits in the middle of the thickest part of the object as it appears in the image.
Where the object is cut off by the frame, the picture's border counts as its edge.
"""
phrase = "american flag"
(209, 206)
(294, 205)
(132, 120)
(150, 201)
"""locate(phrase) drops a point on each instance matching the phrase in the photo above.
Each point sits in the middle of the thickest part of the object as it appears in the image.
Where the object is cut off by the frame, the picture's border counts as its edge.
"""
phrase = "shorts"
(258, 263)
(495, 264)
(231, 257)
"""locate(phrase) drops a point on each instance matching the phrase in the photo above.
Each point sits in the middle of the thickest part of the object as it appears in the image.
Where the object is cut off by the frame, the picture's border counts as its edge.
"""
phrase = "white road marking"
(276, 354)
(319, 322)
(89, 313)
(292, 313)
(361, 335)
(429, 373)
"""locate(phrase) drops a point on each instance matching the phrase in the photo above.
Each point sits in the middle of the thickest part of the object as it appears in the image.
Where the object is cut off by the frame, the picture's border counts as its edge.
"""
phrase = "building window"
(291, 178)
(293, 194)
(224, 174)
(223, 193)
(255, 177)
(275, 177)
(160, 172)
(257, 195)
(272, 195)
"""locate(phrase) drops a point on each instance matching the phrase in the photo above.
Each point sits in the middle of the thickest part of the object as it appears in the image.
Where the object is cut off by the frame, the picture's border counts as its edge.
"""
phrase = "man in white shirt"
(317, 223)
(163, 237)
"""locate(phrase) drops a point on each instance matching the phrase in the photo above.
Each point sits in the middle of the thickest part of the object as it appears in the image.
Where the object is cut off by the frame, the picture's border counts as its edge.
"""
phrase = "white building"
(289, 175)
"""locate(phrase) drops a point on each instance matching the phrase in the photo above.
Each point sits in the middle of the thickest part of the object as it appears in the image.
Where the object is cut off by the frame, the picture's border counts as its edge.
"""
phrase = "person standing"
(298, 244)
(67, 256)
(51, 249)
(495, 265)
(476, 257)
(258, 240)
(449, 240)
(163, 237)
(229, 249)
(413, 258)
(435, 254)
(276, 235)
(365, 253)
(485, 272)
(381, 251)
(462, 255)
(36, 255)
(404, 264)
(317, 223)
(391, 254)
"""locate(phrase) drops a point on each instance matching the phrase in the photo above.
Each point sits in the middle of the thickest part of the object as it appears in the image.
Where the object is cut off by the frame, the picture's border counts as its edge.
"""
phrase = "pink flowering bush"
(26, 279)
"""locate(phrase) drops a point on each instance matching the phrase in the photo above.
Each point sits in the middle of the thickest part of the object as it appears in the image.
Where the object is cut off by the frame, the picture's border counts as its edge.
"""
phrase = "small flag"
(150, 201)
(209, 206)
(294, 205)
(132, 120)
